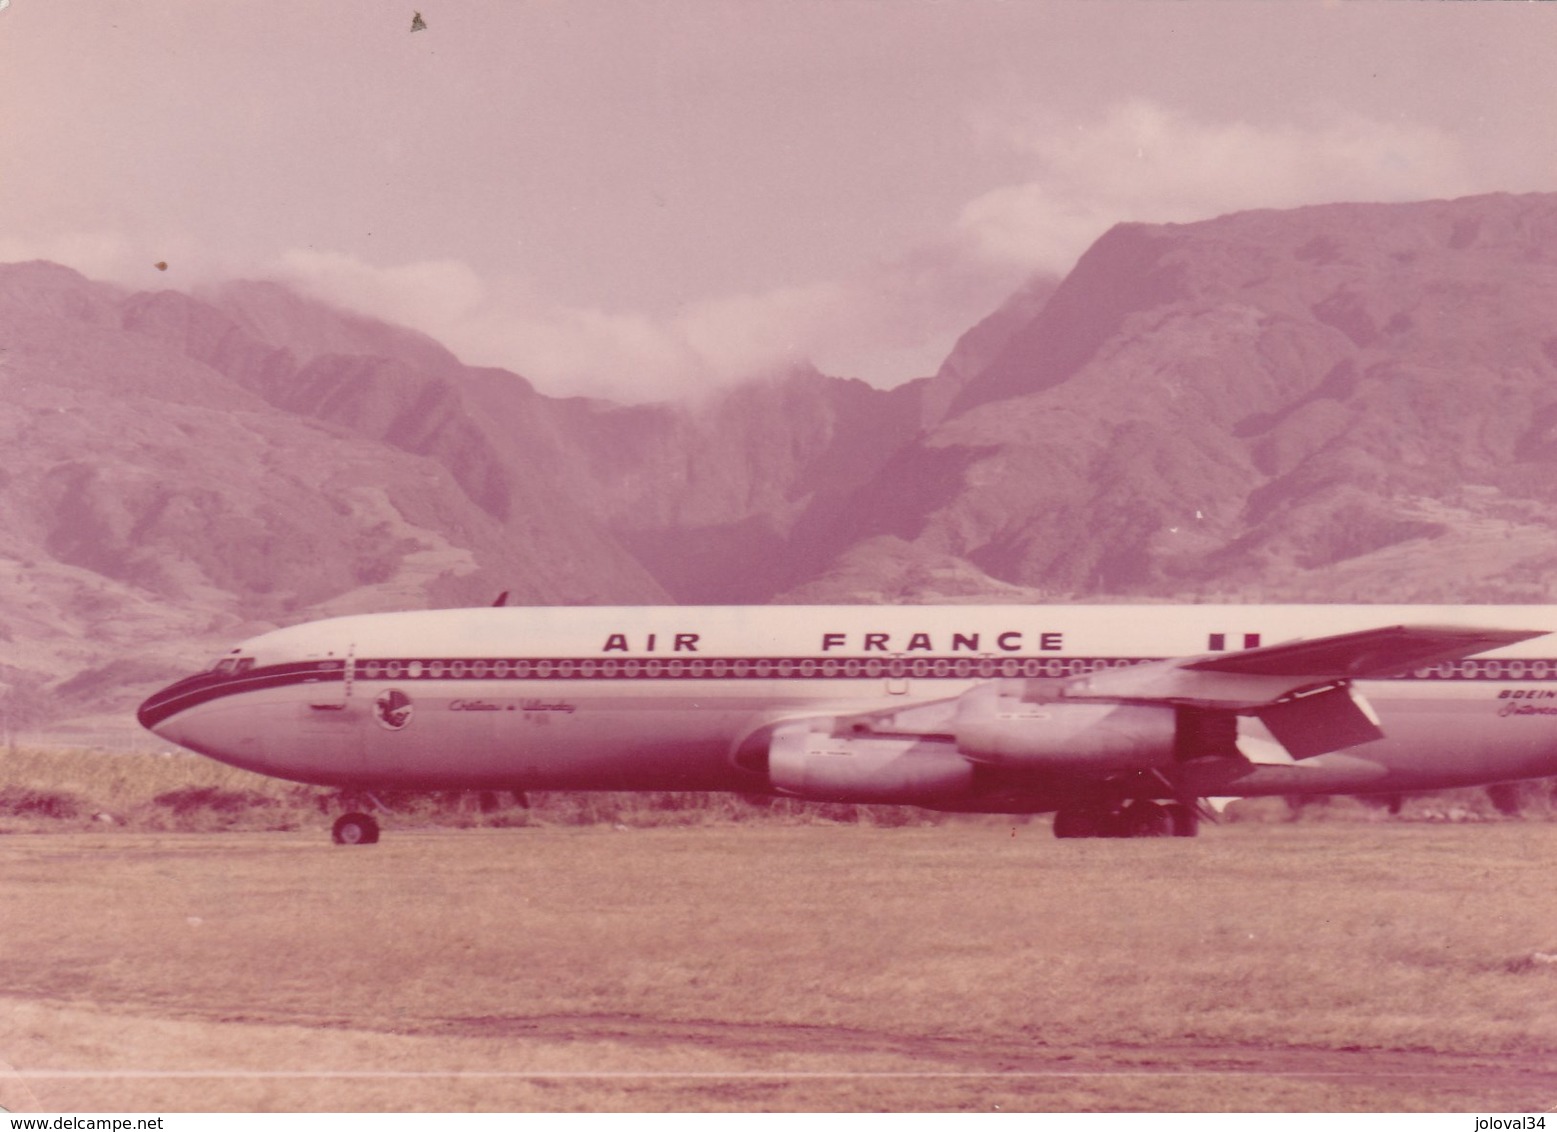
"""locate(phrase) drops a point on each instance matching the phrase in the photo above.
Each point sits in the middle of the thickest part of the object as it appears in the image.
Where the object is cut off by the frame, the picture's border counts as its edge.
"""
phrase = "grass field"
(790, 966)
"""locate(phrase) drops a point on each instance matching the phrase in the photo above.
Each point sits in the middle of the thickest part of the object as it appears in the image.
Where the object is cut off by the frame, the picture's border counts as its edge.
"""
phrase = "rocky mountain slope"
(1337, 403)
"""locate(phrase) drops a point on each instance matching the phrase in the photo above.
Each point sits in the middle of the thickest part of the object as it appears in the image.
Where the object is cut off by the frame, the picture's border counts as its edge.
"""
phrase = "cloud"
(500, 321)
(1141, 161)
(897, 319)
(887, 321)
(893, 321)
(441, 292)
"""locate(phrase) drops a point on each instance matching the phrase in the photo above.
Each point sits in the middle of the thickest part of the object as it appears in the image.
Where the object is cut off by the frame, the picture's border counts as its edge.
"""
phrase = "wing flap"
(1330, 719)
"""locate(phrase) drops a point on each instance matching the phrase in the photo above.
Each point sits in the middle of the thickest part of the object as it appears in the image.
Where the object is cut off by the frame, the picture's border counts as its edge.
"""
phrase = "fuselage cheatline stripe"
(210, 686)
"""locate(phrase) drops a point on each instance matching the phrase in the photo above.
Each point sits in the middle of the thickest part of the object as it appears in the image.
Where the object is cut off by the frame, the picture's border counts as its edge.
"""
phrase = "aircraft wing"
(1301, 690)
(1371, 653)
(1250, 678)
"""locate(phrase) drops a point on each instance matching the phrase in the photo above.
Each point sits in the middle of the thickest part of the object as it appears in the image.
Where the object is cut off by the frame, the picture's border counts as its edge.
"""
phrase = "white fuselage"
(664, 698)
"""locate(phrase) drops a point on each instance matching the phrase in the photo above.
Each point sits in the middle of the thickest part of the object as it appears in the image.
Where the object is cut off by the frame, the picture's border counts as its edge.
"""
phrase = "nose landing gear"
(354, 829)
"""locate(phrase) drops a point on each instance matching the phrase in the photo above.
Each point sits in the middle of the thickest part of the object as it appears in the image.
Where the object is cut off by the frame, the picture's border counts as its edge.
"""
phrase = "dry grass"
(53, 790)
(1109, 974)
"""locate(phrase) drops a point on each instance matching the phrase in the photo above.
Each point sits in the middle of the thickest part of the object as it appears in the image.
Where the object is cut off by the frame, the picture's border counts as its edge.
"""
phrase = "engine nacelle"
(995, 725)
(805, 759)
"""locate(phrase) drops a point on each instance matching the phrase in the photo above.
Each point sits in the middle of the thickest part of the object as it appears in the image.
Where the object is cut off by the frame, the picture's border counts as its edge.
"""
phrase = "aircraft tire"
(1186, 822)
(354, 829)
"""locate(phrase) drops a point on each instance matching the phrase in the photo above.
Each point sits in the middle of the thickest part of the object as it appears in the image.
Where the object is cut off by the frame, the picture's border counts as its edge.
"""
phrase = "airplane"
(1118, 719)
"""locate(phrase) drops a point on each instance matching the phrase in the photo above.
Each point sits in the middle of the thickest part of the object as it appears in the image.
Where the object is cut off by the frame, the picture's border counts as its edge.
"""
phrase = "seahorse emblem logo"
(392, 709)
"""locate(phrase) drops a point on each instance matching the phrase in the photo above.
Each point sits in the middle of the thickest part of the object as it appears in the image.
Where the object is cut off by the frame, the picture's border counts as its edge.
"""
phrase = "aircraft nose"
(167, 702)
(153, 709)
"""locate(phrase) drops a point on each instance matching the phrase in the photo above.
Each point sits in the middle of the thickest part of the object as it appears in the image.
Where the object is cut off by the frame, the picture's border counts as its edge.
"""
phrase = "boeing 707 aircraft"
(1116, 718)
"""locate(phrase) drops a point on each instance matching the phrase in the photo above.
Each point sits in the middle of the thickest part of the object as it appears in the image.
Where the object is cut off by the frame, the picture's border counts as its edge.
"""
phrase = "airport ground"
(971, 965)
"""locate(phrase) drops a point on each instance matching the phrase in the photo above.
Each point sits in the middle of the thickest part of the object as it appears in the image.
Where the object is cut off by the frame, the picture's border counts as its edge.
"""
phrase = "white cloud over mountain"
(1143, 161)
(896, 320)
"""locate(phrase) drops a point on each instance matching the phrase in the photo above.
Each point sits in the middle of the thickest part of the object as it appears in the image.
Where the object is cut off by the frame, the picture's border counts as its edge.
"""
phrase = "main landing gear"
(354, 829)
(1136, 818)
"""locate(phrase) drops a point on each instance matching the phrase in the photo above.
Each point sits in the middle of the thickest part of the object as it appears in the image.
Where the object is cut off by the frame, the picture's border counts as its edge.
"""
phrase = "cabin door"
(333, 719)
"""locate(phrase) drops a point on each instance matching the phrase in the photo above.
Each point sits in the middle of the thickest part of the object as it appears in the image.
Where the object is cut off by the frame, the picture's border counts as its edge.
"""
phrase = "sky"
(646, 198)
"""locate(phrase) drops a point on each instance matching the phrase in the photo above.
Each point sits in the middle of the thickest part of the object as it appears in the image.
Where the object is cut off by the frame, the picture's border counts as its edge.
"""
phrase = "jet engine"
(807, 760)
(1000, 724)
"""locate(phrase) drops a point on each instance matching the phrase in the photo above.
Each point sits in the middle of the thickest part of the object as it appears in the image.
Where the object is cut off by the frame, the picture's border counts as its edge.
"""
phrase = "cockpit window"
(225, 666)
(244, 664)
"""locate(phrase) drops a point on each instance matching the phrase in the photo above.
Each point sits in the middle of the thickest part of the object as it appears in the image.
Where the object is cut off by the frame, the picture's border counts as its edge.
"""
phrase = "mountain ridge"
(1340, 402)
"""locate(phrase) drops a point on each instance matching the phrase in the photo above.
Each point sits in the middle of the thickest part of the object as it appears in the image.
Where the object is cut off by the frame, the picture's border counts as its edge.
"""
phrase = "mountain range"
(1335, 403)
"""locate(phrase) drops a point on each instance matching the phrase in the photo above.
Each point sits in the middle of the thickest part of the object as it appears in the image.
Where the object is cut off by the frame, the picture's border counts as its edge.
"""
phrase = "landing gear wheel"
(1186, 821)
(1145, 819)
(354, 829)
